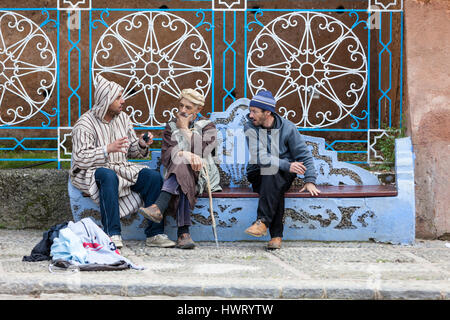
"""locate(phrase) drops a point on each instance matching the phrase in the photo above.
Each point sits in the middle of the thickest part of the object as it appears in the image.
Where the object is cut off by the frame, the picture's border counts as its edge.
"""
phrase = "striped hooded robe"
(90, 136)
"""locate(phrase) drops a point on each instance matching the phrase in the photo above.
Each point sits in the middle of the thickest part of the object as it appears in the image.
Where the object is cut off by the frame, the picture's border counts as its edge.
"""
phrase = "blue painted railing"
(224, 38)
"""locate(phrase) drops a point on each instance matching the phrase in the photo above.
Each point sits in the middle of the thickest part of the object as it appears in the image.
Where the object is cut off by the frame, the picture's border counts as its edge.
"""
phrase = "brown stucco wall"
(427, 103)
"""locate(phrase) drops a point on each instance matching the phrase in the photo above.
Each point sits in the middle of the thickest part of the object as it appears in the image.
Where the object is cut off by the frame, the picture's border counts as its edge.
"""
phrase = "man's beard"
(119, 110)
(113, 113)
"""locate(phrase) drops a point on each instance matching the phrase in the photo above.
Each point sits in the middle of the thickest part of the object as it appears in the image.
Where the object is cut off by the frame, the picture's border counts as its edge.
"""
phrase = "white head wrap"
(193, 96)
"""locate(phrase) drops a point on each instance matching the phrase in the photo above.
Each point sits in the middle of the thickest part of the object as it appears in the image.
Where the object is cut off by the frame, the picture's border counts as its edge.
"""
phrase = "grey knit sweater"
(276, 148)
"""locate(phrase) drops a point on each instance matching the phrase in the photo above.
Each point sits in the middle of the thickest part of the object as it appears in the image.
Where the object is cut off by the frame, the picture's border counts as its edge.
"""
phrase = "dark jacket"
(42, 250)
(273, 156)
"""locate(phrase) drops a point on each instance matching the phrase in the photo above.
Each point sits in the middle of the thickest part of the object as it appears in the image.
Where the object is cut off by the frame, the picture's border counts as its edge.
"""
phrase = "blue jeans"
(148, 185)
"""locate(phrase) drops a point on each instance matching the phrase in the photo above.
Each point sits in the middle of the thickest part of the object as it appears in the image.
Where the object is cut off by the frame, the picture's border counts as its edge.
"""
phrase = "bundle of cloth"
(85, 245)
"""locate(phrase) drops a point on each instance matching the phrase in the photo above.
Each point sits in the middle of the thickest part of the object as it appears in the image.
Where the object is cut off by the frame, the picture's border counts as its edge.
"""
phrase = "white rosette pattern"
(168, 54)
(303, 65)
(28, 69)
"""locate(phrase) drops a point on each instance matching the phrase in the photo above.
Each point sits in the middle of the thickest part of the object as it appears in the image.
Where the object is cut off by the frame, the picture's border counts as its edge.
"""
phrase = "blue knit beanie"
(264, 100)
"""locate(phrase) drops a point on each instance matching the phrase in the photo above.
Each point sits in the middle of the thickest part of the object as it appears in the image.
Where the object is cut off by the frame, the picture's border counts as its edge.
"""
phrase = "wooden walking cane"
(213, 220)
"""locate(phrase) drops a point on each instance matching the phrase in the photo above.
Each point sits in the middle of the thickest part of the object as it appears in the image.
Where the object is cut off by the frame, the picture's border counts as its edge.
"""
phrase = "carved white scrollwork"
(307, 67)
(170, 51)
(28, 68)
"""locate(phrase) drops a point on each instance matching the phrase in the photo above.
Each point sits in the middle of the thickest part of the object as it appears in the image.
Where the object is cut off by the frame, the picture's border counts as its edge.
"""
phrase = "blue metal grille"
(233, 61)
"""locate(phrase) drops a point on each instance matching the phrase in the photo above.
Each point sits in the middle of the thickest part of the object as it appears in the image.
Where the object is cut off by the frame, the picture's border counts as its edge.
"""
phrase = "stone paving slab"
(301, 270)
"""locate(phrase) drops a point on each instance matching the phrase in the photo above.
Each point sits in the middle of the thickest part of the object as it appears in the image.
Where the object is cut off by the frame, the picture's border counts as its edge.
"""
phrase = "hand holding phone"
(146, 137)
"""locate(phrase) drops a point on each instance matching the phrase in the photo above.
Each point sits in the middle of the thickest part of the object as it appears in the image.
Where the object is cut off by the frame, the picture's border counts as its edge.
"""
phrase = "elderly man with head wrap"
(103, 139)
(186, 152)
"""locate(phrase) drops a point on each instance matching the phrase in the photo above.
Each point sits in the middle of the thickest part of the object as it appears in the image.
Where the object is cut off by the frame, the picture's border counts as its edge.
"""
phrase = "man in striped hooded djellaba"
(103, 140)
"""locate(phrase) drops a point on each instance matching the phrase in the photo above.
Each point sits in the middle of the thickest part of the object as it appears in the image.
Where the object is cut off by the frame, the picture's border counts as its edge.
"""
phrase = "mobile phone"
(146, 137)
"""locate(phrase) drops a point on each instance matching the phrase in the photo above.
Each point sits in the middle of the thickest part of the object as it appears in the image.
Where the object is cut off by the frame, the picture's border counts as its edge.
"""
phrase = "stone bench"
(352, 206)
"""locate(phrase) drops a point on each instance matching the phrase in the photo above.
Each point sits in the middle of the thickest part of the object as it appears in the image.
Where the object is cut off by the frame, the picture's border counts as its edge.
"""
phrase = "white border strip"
(72, 7)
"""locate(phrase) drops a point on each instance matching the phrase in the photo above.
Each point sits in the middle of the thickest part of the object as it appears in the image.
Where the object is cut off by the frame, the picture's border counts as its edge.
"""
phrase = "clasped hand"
(194, 160)
(143, 143)
(183, 120)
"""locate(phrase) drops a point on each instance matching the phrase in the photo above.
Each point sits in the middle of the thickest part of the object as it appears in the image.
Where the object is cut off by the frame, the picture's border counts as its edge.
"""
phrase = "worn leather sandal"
(257, 229)
(274, 243)
(152, 213)
(185, 241)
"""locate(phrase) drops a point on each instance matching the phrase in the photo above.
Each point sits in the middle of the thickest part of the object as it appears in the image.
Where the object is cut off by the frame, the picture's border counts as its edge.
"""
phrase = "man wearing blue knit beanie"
(277, 154)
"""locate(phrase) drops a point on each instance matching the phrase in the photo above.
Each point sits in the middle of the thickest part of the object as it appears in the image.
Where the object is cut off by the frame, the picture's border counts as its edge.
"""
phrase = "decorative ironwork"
(152, 68)
(309, 68)
(74, 5)
(259, 53)
(229, 51)
(28, 55)
(229, 5)
(385, 5)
